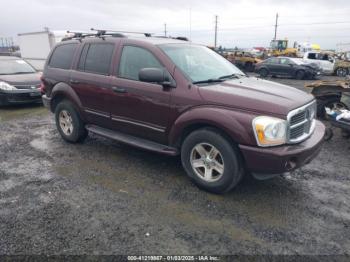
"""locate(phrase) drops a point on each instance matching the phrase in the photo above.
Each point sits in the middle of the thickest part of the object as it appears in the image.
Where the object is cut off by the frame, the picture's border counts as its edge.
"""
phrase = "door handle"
(74, 81)
(119, 89)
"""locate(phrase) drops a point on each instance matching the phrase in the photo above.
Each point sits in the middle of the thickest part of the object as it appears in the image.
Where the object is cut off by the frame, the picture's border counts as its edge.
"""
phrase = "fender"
(237, 124)
(62, 89)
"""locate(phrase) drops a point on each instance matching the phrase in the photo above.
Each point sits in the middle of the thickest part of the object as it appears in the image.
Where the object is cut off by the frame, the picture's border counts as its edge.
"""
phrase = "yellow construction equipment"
(280, 48)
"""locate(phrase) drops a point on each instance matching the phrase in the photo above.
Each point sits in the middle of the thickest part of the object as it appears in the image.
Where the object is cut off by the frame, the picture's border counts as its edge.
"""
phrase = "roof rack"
(102, 33)
(105, 32)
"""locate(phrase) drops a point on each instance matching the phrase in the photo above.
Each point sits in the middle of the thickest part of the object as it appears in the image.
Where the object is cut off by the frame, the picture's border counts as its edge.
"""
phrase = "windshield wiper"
(211, 80)
(230, 76)
(18, 73)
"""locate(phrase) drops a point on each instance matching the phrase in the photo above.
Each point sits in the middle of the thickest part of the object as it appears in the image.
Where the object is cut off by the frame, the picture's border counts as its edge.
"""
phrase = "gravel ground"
(101, 197)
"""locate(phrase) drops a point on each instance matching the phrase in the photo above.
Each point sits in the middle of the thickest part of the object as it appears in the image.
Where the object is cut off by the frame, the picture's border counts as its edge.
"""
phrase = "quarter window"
(133, 59)
(62, 56)
(96, 58)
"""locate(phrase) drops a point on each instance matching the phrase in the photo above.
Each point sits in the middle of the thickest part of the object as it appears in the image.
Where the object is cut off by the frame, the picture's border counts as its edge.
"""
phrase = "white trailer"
(35, 46)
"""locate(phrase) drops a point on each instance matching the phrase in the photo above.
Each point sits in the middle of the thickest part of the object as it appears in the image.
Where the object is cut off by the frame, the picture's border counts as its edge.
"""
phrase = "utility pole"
(276, 25)
(216, 31)
(165, 30)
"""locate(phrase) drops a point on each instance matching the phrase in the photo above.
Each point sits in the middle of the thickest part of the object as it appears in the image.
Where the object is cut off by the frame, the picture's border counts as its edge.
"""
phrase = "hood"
(254, 94)
(21, 79)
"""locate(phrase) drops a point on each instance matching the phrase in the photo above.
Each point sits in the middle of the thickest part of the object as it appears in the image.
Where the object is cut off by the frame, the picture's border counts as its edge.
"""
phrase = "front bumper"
(277, 160)
(20, 96)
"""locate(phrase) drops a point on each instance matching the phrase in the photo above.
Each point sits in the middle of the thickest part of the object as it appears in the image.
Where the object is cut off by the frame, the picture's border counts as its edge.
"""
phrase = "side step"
(132, 140)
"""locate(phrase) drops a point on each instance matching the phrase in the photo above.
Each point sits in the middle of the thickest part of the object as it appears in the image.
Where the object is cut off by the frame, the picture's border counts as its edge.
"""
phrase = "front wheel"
(211, 161)
(263, 72)
(69, 123)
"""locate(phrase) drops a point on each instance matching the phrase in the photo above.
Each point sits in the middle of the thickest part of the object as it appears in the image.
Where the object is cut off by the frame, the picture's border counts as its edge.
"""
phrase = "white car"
(323, 60)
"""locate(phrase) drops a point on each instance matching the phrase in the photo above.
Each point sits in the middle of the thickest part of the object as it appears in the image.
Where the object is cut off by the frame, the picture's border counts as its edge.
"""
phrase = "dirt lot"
(101, 197)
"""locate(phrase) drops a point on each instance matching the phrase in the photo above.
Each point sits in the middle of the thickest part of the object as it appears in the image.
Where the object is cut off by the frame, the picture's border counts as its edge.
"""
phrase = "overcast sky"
(241, 23)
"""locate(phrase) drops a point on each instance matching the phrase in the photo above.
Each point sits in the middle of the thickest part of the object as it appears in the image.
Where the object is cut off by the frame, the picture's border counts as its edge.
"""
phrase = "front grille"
(301, 122)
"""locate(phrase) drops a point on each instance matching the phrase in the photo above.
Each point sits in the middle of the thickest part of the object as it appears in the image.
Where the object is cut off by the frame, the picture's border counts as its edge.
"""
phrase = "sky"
(244, 24)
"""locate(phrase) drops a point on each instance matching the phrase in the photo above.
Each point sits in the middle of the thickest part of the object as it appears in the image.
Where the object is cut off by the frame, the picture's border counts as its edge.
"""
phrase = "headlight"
(269, 131)
(6, 86)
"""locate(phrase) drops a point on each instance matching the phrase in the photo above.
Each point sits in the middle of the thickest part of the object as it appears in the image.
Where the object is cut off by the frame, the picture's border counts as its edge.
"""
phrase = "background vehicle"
(286, 66)
(342, 68)
(324, 60)
(173, 97)
(243, 60)
(280, 48)
(19, 82)
(35, 46)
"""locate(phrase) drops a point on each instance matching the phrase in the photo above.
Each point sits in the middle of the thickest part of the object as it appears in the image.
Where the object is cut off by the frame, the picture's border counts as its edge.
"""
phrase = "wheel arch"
(62, 91)
(234, 125)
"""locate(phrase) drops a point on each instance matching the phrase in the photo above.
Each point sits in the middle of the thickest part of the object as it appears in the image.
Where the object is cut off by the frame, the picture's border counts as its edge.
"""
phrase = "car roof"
(142, 39)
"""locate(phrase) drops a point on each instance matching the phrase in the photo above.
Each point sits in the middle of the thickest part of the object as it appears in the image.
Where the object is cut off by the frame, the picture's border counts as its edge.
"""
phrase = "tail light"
(42, 85)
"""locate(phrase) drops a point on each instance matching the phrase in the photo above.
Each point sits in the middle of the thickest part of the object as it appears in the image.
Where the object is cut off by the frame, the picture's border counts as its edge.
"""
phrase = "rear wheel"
(69, 123)
(341, 71)
(211, 161)
(300, 75)
(263, 72)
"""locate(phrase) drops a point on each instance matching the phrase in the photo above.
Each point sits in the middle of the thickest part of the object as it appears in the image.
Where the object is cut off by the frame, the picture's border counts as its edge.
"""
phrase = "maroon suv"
(175, 97)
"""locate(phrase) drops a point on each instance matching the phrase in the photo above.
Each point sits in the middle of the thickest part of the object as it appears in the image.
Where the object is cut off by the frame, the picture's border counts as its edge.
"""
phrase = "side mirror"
(155, 75)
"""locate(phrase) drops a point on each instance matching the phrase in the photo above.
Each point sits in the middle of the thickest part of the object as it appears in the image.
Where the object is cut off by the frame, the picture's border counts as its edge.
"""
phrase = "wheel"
(69, 123)
(263, 72)
(300, 75)
(341, 71)
(211, 161)
(328, 134)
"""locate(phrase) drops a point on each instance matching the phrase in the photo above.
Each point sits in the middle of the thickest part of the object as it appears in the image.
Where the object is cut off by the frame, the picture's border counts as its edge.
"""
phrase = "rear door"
(273, 65)
(91, 80)
(286, 66)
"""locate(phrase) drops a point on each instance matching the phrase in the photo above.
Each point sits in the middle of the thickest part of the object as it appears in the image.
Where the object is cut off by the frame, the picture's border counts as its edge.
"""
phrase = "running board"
(132, 140)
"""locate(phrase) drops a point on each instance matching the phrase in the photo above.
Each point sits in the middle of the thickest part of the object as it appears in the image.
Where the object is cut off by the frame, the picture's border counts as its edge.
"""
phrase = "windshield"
(12, 67)
(200, 63)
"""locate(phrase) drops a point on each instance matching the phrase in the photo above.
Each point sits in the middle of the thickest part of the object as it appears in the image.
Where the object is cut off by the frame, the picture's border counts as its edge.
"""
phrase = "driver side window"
(133, 59)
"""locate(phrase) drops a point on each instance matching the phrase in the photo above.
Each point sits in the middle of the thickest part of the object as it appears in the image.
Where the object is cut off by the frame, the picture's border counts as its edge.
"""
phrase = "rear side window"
(62, 56)
(96, 58)
(133, 59)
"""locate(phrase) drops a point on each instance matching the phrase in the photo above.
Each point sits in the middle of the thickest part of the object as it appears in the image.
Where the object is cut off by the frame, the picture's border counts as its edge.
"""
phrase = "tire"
(328, 134)
(300, 74)
(263, 72)
(68, 122)
(341, 71)
(196, 150)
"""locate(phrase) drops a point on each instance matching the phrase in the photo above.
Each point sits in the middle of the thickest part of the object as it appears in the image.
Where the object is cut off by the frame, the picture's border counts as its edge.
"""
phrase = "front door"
(139, 108)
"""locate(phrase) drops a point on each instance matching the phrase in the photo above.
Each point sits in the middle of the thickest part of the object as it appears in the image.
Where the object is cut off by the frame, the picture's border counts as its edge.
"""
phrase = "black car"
(19, 82)
(286, 66)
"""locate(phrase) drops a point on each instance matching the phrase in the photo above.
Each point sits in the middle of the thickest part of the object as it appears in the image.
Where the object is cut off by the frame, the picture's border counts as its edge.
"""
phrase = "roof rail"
(105, 32)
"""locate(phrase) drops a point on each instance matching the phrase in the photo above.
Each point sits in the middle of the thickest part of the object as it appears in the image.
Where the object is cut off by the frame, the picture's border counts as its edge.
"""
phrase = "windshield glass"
(17, 66)
(200, 63)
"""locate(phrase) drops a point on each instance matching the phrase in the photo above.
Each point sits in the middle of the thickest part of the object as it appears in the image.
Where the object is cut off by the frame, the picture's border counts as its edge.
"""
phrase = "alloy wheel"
(207, 162)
